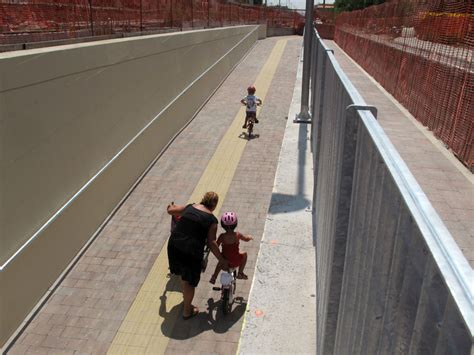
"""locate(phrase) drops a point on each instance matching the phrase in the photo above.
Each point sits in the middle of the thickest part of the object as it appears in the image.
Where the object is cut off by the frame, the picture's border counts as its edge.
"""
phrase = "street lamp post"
(304, 115)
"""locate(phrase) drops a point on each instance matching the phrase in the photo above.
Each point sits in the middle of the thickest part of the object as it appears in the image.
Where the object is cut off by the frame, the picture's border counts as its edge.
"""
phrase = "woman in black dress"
(196, 227)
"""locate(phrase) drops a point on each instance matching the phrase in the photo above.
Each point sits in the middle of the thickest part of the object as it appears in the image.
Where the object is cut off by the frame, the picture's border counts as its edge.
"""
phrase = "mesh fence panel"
(421, 52)
(24, 21)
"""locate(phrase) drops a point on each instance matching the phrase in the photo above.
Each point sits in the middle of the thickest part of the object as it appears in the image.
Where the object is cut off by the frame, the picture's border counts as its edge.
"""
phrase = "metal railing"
(390, 278)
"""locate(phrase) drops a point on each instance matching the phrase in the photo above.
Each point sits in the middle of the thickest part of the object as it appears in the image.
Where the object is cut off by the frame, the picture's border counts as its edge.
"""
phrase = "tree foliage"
(351, 5)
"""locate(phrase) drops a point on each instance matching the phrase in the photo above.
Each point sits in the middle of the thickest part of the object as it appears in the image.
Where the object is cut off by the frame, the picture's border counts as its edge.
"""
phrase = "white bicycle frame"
(227, 281)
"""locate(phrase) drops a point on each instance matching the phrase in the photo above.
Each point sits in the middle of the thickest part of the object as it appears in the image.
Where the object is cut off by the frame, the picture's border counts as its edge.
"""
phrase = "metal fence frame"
(390, 277)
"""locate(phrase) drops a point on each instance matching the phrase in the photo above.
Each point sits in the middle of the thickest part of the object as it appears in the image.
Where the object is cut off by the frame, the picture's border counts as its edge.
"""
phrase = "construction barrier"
(421, 52)
(390, 277)
(324, 21)
(46, 20)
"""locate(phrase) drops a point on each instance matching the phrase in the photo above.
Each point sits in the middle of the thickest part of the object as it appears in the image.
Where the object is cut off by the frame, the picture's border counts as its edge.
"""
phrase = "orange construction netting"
(422, 53)
(25, 21)
(324, 19)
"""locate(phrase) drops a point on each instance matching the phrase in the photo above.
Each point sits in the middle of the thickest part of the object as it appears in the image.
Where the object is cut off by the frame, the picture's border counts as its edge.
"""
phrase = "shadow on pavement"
(174, 327)
(245, 136)
(283, 203)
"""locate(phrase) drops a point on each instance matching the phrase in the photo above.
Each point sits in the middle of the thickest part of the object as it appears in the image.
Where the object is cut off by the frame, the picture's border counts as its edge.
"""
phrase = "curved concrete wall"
(87, 120)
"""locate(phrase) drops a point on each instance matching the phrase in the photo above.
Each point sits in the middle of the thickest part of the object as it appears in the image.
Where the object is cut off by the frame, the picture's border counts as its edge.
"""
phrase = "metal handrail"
(453, 266)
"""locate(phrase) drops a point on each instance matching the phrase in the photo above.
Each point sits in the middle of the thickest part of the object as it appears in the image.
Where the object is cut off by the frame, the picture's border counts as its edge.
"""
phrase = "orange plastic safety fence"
(41, 20)
(422, 53)
(324, 21)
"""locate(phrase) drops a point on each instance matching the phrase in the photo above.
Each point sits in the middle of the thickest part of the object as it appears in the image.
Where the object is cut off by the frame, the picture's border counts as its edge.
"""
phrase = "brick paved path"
(87, 309)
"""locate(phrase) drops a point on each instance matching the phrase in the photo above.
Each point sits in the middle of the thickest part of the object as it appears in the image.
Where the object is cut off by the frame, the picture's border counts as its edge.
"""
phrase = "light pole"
(304, 116)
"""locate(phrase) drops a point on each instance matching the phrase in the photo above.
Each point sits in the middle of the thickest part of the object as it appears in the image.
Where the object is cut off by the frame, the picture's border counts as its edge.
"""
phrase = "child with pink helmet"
(230, 241)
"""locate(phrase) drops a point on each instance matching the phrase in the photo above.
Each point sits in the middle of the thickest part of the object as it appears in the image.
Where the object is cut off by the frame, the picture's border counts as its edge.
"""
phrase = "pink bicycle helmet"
(229, 219)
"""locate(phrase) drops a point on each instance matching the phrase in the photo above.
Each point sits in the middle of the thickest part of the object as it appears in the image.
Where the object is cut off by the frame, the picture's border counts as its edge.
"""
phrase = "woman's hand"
(211, 242)
(175, 210)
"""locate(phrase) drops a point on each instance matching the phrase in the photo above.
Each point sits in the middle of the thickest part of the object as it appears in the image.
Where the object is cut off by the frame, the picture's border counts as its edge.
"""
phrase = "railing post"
(208, 13)
(141, 15)
(171, 13)
(91, 17)
(304, 116)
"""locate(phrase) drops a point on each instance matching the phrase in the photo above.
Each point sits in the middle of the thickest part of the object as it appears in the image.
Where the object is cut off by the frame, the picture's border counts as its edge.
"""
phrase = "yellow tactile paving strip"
(142, 329)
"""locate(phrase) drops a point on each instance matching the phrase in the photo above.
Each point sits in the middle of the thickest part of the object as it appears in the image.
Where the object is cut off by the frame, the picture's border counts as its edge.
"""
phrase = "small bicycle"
(250, 123)
(228, 287)
(251, 120)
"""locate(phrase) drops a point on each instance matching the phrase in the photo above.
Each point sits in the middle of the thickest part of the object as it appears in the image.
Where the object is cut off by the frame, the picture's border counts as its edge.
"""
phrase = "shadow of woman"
(172, 290)
(175, 327)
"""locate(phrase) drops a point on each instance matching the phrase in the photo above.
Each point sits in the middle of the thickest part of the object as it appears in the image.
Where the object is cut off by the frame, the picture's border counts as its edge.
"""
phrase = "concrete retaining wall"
(274, 31)
(79, 125)
(390, 277)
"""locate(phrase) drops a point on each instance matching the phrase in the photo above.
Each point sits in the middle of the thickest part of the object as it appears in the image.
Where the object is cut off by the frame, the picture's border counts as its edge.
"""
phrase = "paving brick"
(41, 328)
(32, 339)
(85, 312)
(74, 300)
(19, 349)
(56, 309)
(76, 344)
(224, 348)
(54, 342)
(38, 350)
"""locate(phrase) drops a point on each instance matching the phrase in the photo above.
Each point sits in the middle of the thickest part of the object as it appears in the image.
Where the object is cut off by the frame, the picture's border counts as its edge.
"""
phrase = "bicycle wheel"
(250, 129)
(226, 306)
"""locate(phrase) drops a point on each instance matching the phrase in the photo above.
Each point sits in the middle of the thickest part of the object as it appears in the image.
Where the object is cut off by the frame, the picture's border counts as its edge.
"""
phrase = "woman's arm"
(175, 210)
(211, 242)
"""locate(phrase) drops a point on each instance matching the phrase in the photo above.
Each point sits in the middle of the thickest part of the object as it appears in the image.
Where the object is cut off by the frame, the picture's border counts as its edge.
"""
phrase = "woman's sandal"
(242, 276)
(195, 313)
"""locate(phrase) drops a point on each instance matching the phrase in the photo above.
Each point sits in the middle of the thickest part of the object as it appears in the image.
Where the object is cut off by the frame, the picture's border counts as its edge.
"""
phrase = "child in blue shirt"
(251, 102)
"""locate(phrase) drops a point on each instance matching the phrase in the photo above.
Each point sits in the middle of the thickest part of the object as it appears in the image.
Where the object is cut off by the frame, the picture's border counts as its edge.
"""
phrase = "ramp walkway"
(119, 299)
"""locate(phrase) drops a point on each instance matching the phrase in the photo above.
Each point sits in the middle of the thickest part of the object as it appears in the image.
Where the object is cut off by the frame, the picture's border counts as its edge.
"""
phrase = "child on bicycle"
(230, 246)
(250, 101)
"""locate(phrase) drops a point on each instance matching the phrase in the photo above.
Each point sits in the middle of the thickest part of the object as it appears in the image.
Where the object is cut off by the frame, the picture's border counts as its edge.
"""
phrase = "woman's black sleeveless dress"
(187, 242)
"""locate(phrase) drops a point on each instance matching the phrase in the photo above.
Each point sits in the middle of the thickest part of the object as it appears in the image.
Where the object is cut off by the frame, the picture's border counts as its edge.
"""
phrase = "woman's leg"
(188, 295)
